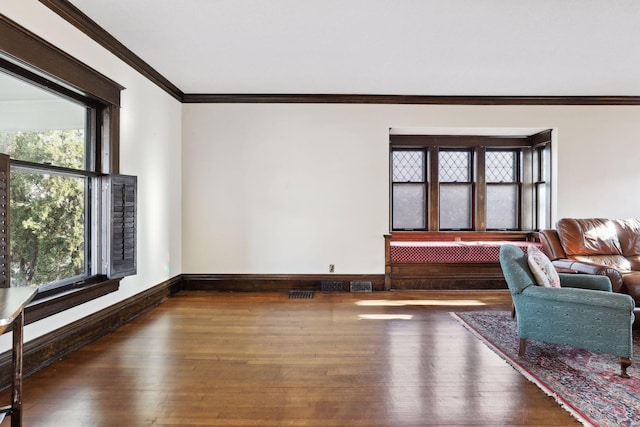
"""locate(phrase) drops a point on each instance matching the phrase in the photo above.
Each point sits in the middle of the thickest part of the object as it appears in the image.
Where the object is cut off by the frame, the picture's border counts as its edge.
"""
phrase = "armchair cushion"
(542, 268)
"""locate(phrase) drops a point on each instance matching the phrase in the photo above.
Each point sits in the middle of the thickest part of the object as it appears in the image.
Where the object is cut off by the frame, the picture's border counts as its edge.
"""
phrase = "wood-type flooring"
(262, 359)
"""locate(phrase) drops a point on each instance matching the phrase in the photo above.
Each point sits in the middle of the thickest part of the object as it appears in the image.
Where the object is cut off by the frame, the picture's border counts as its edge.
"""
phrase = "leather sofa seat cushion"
(629, 236)
(588, 236)
(618, 262)
(632, 285)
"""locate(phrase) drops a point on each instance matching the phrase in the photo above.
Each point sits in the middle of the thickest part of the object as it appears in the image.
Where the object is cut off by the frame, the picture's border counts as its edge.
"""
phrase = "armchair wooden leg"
(624, 364)
(522, 347)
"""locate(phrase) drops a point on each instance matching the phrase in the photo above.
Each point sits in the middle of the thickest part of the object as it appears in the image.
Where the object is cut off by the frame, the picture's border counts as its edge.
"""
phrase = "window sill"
(47, 305)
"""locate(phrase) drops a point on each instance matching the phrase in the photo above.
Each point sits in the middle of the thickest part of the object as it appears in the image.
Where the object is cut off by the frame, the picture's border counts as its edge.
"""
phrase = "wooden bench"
(448, 260)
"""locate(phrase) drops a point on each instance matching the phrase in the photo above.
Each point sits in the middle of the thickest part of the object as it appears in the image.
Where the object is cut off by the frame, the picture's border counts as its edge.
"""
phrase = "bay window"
(470, 183)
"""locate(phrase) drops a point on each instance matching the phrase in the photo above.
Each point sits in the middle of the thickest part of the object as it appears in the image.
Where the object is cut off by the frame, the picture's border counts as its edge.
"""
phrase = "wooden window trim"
(27, 48)
(28, 55)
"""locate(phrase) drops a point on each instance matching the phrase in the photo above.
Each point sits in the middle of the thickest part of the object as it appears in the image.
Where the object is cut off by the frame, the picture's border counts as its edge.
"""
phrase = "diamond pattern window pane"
(455, 206)
(454, 166)
(408, 206)
(502, 202)
(501, 166)
(408, 166)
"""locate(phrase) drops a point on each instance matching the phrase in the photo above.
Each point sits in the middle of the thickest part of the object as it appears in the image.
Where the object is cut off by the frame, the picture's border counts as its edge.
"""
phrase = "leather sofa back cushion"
(629, 235)
(618, 262)
(634, 262)
(588, 236)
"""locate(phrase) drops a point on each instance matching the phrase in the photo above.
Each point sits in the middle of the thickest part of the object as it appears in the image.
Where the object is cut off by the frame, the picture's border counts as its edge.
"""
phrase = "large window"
(473, 183)
(67, 218)
(49, 141)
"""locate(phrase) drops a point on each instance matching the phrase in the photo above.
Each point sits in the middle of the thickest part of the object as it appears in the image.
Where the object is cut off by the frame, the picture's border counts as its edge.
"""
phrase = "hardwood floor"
(261, 359)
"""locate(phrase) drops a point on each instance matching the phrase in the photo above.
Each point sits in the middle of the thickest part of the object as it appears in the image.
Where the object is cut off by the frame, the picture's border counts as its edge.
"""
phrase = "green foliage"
(47, 209)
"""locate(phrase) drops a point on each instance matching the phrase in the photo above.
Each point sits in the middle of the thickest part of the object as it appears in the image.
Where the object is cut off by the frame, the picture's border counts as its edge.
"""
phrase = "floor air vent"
(300, 294)
(361, 287)
(330, 286)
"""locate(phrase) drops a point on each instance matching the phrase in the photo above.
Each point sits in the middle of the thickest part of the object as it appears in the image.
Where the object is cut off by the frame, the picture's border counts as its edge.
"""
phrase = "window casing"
(471, 183)
(31, 59)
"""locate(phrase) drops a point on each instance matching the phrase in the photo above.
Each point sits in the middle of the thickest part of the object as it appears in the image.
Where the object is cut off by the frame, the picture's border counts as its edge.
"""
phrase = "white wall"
(291, 188)
(150, 148)
(285, 188)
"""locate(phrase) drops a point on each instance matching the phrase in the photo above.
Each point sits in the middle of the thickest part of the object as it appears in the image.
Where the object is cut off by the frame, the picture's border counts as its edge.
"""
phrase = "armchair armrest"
(584, 281)
(596, 269)
(573, 296)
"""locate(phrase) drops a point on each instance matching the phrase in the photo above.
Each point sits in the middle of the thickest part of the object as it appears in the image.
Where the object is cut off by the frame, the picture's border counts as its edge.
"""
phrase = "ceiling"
(383, 47)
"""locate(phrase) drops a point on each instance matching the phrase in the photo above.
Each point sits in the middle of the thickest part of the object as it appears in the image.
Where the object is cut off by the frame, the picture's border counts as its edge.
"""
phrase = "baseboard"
(275, 282)
(48, 348)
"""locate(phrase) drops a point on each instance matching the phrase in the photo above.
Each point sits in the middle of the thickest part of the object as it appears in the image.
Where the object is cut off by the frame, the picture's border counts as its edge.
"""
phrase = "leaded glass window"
(503, 189)
(452, 182)
(409, 190)
(456, 198)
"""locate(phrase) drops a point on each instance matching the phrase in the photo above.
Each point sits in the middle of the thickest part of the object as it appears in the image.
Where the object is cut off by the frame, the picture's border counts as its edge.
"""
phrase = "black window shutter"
(120, 196)
(5, 277)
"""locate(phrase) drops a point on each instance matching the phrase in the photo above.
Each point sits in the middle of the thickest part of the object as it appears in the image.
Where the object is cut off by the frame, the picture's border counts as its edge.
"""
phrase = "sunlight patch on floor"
(385, 316)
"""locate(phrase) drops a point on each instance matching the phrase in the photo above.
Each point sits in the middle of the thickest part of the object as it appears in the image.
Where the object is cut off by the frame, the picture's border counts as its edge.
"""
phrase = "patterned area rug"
(586, 384)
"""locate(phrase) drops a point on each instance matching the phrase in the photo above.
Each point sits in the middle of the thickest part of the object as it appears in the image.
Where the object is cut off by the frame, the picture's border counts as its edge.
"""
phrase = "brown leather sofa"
(598, 246)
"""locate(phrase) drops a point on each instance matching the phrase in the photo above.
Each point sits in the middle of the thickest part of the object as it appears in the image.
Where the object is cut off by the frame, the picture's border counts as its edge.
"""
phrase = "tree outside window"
(47, 208)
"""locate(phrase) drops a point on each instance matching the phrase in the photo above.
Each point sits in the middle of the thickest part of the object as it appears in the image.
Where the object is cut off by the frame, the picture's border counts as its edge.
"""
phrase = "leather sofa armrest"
(551, 244)
(587, 268)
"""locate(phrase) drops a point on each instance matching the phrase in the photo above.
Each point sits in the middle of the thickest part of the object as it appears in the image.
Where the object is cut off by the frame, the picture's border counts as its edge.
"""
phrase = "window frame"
(517, 183)
(425, 180)
(528, 194)
(30, 57)
(471, 183)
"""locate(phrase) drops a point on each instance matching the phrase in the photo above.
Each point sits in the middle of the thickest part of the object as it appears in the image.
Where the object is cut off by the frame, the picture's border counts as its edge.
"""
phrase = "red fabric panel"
(446, 252)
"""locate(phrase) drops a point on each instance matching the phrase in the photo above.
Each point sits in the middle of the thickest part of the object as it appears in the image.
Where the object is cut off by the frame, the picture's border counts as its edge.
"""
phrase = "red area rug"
(586, 384)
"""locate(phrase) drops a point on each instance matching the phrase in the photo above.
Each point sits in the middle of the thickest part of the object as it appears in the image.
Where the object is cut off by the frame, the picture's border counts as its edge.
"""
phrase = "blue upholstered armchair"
(583, 313)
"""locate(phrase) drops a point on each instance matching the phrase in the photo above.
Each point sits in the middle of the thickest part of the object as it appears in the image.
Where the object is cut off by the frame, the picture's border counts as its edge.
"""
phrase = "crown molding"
(408, 99)
(75, 17)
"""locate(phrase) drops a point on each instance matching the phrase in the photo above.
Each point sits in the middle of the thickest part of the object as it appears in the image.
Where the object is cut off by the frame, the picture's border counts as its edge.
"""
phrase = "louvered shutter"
(119, 203)
(5, 277)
